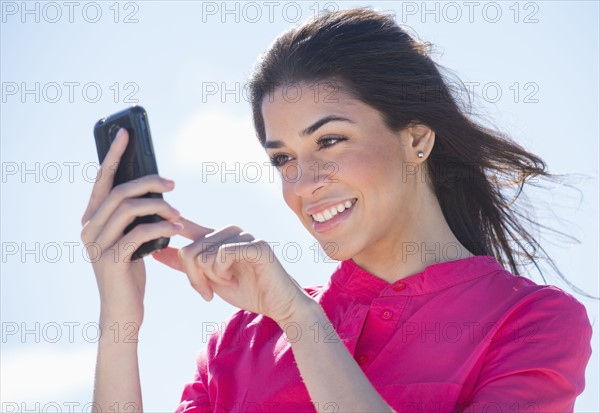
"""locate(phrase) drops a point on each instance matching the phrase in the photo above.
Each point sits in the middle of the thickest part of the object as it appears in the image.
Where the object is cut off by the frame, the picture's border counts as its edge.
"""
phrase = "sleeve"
(195, 397)
(536, 358)
(196, 394)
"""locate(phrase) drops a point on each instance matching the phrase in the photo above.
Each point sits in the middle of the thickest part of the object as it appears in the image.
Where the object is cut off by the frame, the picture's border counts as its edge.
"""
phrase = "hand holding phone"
(137, 161)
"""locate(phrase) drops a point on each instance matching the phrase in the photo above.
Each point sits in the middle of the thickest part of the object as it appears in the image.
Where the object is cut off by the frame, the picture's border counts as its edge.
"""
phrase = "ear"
(421, 138)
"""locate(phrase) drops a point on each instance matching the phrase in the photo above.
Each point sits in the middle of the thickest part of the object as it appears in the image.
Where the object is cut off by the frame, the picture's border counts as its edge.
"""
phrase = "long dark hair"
(472, 168)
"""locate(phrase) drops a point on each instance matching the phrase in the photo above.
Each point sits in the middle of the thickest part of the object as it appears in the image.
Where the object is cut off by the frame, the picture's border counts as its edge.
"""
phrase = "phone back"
(138, 159)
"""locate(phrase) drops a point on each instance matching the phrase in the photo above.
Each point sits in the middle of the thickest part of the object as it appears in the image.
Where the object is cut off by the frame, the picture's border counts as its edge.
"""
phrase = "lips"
(321, 223)
(330, 212)
(321, 207)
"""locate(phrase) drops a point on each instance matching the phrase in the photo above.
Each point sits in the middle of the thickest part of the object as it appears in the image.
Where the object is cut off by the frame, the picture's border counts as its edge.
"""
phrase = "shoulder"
(500, 288)
(538, 340)
(507, 304)
(554, 309)
(522, 294)
(536, 313)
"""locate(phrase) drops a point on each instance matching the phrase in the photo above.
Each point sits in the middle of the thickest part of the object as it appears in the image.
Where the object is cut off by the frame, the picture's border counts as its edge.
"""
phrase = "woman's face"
(345, 175)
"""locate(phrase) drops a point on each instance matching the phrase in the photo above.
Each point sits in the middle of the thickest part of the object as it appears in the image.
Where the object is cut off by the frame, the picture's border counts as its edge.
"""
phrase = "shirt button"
(399, 287)
(386, 315)
(362, 359)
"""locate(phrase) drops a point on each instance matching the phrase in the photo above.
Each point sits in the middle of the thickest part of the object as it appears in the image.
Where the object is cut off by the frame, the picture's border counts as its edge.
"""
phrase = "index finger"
(106, 173)
(193, 231)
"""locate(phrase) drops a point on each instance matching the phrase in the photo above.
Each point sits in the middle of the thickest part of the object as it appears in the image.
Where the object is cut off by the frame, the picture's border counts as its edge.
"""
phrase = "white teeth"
(331, 212)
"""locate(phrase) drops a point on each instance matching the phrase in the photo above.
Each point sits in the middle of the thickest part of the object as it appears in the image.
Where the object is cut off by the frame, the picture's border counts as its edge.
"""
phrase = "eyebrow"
(310, 130)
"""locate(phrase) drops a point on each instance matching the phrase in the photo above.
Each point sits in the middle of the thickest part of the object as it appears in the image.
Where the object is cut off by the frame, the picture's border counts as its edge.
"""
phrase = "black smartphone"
(137, 161)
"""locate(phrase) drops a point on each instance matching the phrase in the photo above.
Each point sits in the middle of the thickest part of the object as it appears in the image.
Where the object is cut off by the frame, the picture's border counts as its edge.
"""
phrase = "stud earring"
(421, 154)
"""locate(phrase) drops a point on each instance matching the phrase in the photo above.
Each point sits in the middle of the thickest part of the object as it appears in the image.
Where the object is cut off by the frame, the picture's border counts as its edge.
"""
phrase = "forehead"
(295, 106)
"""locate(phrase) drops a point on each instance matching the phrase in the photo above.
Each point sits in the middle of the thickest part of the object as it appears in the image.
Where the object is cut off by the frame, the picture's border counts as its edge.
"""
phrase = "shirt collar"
(356, 281)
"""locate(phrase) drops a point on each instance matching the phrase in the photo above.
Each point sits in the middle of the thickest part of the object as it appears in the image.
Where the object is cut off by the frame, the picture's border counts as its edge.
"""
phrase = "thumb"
(170, 257)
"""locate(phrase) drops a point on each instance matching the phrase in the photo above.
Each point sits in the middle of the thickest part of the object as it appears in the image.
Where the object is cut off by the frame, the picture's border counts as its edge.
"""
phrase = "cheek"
(290, 197)
(364, 167)
(385, 163)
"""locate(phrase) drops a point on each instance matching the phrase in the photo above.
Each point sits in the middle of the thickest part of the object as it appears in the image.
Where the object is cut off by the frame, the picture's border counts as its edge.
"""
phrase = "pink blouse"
(460, 336)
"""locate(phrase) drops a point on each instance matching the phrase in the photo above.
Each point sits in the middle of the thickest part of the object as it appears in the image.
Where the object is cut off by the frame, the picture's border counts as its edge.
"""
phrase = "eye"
(278, 160)
(327, 141)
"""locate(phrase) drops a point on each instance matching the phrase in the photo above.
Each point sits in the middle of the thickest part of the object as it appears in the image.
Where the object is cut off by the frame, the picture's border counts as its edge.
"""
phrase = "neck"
(425, 241)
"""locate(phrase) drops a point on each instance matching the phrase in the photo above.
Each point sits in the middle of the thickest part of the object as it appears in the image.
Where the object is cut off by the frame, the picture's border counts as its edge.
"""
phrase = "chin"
(335, 251)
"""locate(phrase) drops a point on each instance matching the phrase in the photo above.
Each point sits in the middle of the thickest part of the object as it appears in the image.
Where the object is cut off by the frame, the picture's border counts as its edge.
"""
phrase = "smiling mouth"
(331, 212)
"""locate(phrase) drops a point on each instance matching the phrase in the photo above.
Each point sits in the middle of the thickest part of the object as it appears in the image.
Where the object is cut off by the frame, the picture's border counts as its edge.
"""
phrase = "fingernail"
(178, 225)
(168, 182)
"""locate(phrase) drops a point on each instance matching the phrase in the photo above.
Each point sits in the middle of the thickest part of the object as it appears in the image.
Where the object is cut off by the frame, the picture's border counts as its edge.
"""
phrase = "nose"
(306, 177)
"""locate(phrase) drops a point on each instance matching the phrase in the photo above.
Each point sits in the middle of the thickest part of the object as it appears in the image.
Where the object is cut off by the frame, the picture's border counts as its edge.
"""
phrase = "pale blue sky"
(168, 61)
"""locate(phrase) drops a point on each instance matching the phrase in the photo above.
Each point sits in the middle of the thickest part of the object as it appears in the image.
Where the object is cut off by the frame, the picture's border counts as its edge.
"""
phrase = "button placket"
(380, 325)
(399, 286)
(352, 327)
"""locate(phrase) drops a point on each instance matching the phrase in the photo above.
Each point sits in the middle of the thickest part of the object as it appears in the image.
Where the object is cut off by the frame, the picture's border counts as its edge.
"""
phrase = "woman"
(386, 171)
